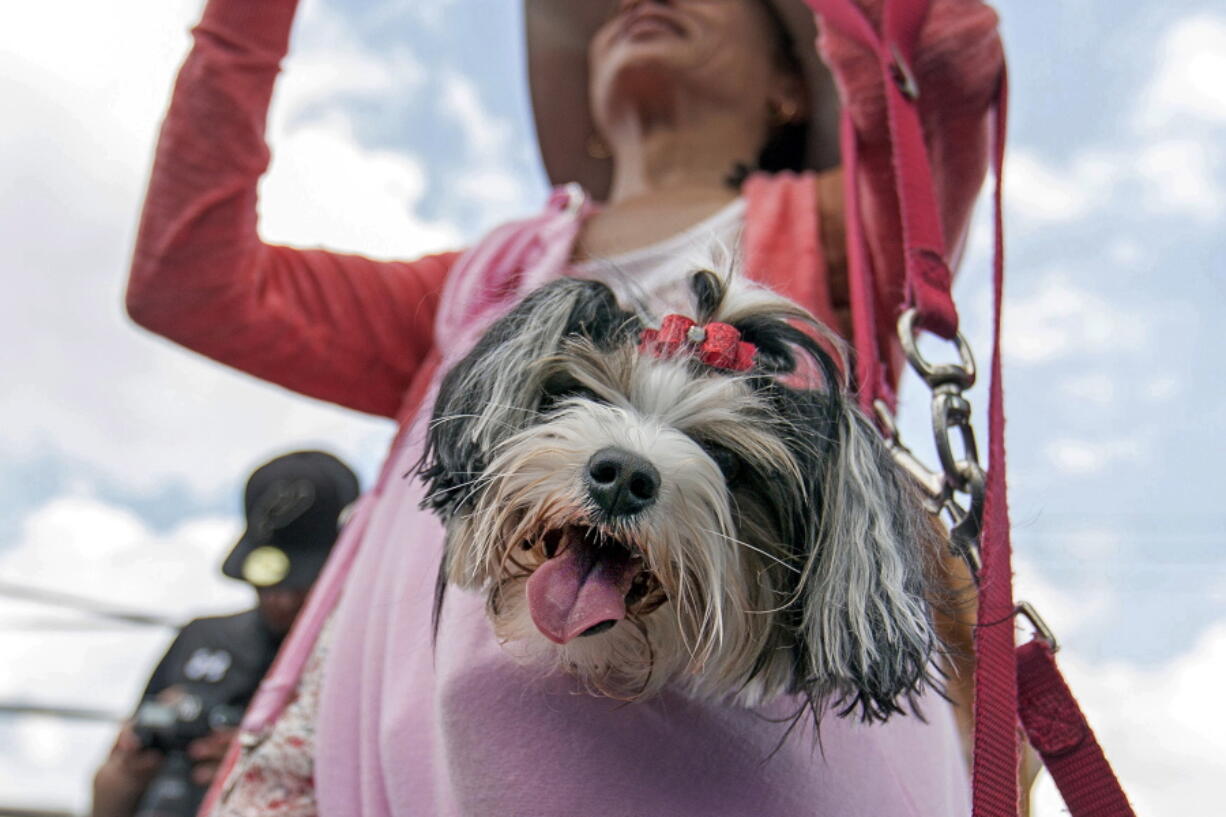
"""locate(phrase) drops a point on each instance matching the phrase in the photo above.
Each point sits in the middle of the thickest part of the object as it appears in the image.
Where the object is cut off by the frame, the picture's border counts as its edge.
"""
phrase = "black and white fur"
(781, 551)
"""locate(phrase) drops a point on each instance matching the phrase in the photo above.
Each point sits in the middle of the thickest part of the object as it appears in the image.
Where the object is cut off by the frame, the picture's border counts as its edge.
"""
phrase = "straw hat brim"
(558, 32)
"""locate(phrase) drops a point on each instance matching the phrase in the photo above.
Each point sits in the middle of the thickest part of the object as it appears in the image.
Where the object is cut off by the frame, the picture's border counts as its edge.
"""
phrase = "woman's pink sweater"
(407, 730)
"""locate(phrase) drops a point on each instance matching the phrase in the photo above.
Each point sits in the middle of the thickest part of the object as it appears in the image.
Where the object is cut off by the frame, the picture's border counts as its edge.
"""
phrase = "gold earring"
(784, 113)
(597, 149)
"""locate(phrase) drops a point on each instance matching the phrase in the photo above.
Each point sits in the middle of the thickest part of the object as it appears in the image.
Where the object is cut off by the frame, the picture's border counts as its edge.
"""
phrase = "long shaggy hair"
(637, 521)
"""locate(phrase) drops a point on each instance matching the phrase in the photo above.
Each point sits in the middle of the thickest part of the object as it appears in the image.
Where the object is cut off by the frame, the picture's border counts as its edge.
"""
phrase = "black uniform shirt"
(220, 659)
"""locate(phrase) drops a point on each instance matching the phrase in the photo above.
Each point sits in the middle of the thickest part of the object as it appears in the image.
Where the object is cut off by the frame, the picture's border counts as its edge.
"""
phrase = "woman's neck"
(685, 154)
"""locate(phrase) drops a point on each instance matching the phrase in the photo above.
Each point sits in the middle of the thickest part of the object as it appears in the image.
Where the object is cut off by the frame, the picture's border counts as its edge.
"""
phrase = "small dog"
(697, 503)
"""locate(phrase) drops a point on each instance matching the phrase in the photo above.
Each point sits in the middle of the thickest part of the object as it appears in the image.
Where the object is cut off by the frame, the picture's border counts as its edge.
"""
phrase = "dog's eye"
(728, 462)
(561, 388)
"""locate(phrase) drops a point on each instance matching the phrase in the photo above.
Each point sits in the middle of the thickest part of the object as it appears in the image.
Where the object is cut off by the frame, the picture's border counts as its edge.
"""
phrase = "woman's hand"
(206, 754)
(123, 777)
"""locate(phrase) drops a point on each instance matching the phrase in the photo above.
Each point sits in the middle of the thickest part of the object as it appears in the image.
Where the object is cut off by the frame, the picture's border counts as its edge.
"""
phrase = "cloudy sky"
(402, 127)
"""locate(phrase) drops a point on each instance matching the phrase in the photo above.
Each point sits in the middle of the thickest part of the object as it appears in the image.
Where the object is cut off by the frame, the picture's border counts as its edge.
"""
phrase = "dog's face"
(696, 504)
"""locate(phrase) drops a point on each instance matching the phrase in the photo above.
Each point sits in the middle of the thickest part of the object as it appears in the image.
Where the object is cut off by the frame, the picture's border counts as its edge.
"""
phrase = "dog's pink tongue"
(573, 592)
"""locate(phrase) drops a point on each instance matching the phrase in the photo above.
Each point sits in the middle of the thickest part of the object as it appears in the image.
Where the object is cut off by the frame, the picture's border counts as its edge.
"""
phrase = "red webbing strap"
(994, 773)
(995, 761)
(1049, 713)
(927, 274)
(928, 278)
(1059, 733)
(871, 375)
(1085, 779)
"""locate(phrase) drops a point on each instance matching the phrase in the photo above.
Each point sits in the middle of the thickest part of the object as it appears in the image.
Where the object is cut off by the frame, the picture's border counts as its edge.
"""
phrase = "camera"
(170, 727)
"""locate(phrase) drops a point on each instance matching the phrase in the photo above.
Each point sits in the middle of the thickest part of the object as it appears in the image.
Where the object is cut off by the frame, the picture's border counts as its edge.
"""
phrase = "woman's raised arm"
(337, 327)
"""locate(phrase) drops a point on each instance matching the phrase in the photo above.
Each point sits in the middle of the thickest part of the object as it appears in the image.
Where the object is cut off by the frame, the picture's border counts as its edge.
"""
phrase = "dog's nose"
(621, 483)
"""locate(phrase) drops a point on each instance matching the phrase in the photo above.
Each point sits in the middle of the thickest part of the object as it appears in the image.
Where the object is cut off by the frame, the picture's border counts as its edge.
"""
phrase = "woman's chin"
(638, 74)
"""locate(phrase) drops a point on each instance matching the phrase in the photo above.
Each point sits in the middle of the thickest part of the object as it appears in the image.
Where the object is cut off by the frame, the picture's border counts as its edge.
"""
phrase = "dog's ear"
(708, 290)
(494, 391)
(867, 633)
(596, 316)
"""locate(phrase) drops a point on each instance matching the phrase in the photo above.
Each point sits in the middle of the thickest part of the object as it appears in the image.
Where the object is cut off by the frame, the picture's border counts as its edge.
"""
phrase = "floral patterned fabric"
(275, 773)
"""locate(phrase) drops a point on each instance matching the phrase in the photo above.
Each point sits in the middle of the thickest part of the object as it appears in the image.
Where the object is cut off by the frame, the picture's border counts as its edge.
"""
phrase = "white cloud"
(1060, 318)
(434, 14)
(1069, 615)
(1159, 723)
(1098, 388)
(491, 179)
(1080, 457)
(1160, 175)
(1163, 388)
(77, 544)
(483, 132)
(48, 763)
(1126, 251)
(1187, 85)
(327, 60)
(1179, 114)
(84, 545)
(1179, 176)
(1159, 742)
(80, 380)
(319, 166)
(83, 104)
(1038, 192)
(323, 187)
(1160, 726)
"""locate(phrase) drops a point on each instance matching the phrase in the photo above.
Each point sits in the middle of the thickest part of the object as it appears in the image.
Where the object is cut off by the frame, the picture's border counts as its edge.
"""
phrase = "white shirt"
(656, 277)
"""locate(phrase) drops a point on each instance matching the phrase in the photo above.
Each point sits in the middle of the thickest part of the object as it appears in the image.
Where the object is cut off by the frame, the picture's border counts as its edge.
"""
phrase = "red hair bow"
(716, 344)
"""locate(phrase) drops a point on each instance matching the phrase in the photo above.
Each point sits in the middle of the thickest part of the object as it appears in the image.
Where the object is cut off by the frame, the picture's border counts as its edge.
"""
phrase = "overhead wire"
(74, 713)
(92, 607)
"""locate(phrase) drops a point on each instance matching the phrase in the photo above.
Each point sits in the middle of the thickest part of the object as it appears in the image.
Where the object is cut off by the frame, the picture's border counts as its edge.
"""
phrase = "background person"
(294, 505)
(662, 112)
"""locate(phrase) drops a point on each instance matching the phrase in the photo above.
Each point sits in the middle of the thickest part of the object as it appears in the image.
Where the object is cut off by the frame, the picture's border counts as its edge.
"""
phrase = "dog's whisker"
(758, 550)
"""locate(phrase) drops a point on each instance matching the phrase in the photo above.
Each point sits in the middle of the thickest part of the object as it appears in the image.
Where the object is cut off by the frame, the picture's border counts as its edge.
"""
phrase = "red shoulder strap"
(994, 774)
(1062, 737)
(1045, 706)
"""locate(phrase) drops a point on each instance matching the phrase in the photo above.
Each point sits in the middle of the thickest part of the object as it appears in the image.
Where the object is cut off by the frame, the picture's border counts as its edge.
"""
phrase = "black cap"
(294, 505)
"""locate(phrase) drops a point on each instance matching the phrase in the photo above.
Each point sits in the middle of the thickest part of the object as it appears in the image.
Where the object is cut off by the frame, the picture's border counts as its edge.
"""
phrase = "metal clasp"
(932, 484)
(1027, 611)
(960, 470)
(936, 374)
(902, 74)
